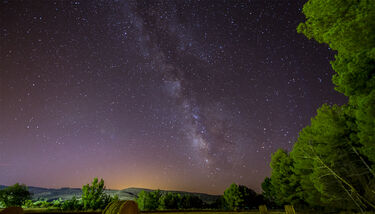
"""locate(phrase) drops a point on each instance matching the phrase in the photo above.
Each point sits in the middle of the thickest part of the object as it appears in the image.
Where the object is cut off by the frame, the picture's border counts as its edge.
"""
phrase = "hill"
(50, 194)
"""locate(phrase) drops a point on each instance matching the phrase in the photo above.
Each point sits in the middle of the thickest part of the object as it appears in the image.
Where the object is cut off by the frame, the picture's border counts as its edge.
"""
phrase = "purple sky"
(182, 95)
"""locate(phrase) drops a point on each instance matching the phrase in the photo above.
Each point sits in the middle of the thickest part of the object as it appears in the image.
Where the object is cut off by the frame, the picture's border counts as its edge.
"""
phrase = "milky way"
(184, 95)
(205, 126)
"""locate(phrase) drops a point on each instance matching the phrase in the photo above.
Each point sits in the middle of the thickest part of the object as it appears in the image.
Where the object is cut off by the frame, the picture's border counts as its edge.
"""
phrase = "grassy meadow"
(53, 211)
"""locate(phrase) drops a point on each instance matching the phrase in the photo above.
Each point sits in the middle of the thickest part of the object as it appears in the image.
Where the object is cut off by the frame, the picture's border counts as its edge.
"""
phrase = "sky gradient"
(181, 95)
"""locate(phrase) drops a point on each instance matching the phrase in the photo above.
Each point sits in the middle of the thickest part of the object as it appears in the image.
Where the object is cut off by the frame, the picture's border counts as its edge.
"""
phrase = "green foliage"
(332, 173)
(285, 184)
(115, 198)
(42, 204)
(72, 204)
(233, 198)
(28, 204)
(346, 26)
(191, 202)
(365, 120)
(238, 197)
(269, 194)
(268, 189)
(349, 27)
(57, 203)
(332, 163)
(93, 197)
(170, 201)
(15, 195)
(148, 200)
(219, 204)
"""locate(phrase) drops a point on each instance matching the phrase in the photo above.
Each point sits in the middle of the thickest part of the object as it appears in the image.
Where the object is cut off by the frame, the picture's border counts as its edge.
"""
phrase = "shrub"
(93, 197)
(28, 204)
(72, 204)
(15, 195)
(57, 203)
(42, 204)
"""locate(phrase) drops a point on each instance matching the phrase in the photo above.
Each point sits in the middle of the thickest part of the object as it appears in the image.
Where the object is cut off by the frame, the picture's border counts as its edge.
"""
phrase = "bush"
(93, 197)
(72, 204)
(15, 195)
(42, 204)
(28, 204)
(57, 203)
(115, 198)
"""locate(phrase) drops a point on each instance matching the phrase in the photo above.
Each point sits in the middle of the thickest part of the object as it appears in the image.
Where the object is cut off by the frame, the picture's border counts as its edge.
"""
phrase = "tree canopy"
(239, 197)
(15, 195)
(332, 163)
(349, 28)
(94, 197)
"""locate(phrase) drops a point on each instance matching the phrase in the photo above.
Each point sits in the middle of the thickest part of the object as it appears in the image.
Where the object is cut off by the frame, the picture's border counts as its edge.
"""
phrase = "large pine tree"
(333, 160)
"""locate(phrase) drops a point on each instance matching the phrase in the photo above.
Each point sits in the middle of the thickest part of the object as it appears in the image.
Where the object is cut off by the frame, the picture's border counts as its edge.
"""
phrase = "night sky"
(182, 95)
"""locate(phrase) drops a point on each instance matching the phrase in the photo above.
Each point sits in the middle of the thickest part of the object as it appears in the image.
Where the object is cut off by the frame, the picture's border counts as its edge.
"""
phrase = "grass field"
(46, 211)
(54, 211)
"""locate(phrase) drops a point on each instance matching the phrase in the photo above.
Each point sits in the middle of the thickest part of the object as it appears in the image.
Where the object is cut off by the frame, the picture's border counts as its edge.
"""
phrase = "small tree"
(72, 204)
(170, 201)
(15, 195)
(190, 202)
(148, 200)
(238, 197)
(93, 197)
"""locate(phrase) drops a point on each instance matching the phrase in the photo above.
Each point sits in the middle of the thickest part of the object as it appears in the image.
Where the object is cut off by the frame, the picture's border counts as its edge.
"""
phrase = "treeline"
(332, 164)
(235, 197)
(93, 198)
(155, 200)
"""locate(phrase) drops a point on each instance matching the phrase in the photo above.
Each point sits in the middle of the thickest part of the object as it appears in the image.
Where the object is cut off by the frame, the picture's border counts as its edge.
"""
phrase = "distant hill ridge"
(65, 193)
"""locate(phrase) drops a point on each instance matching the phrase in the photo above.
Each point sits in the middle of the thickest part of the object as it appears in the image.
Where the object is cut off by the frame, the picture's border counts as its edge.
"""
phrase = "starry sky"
(177, 95)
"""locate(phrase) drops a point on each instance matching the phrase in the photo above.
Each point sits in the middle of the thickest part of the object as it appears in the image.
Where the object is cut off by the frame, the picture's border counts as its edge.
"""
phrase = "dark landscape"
(49, 194)
(187, 106)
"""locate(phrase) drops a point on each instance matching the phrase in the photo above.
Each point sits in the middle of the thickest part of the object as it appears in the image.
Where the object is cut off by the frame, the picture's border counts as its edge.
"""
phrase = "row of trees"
(332, 164)
(93, 198)
(155, 200)
(235, 197)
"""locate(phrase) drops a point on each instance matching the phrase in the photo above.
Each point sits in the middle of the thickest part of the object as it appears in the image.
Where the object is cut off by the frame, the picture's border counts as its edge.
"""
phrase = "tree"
(191, 201)
(219, 204)
(239, 197)
(343, 173)
(349, 28)
(93, 197)
(346, 26)
(284, 182)
(15, 195)
(148, 200)
(268, 189)
(331, 172)
(170, 201)
(268, 193)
